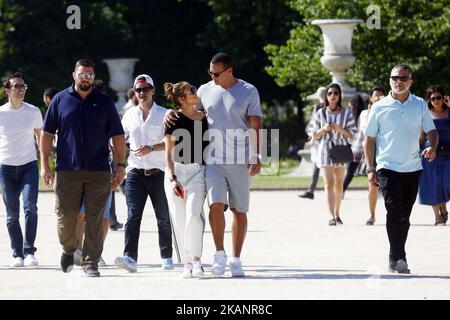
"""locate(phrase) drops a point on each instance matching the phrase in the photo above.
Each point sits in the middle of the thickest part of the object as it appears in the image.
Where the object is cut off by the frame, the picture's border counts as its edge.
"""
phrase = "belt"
(146, 172)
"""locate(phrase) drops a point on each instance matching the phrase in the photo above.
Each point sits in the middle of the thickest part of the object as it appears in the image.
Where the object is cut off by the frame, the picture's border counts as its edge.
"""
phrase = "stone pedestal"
(121, 77)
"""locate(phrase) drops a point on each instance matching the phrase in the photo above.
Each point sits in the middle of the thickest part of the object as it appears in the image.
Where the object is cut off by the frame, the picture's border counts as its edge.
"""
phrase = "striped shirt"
(345, 120)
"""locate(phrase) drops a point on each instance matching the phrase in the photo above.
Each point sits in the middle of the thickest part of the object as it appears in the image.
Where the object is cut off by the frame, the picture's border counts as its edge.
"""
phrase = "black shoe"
(332, 222)
(66, 262)
(91, 271)
(339, 221)
(370, 222)
(116, 226)
(307, 195)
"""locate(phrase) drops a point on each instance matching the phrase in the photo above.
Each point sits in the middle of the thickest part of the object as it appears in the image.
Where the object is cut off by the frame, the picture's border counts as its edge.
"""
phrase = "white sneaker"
(197, 271)
(126, 263)
(17, 262)
(220, 261)
(101, 262)
(30, 261)
(77, 255)
(187, 271)
(236, 268)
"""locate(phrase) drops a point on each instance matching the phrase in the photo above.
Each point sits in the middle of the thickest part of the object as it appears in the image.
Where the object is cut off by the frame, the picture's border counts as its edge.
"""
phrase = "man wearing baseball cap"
(144, 127)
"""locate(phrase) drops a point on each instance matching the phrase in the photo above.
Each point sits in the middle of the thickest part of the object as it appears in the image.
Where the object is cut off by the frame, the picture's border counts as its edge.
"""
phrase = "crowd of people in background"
(87, 136)
(434, 186)
(95, 147)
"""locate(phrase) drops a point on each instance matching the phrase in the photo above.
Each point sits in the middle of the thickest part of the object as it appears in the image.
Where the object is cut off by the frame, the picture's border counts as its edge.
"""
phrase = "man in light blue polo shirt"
(394, 127)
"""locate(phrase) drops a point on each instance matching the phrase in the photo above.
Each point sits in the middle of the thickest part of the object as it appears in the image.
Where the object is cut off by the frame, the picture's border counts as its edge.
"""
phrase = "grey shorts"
(228, 184)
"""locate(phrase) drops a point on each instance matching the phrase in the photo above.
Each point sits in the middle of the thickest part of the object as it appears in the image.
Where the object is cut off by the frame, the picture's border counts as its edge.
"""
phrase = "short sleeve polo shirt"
(84, 128)
(397, 127)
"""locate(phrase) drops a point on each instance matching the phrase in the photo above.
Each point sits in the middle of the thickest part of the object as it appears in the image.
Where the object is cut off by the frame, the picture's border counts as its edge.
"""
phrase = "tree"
(415, 32)
(35, 40)
(242, 29)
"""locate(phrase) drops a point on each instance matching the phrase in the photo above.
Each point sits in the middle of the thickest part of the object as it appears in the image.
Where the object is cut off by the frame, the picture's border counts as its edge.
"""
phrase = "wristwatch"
(121, 164)
(152, 148)
(173, 178)
(371, 169)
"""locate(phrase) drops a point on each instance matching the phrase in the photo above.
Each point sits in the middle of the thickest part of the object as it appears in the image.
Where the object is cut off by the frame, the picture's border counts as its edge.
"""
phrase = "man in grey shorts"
(232, 106)
(233, 112)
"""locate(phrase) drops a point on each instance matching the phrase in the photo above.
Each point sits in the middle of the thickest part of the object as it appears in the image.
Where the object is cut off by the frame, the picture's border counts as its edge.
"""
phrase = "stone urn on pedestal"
(120, 77)
(338, 56)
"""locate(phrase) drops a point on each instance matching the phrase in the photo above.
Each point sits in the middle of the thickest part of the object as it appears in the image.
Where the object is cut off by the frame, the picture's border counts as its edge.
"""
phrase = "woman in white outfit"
(185, 181)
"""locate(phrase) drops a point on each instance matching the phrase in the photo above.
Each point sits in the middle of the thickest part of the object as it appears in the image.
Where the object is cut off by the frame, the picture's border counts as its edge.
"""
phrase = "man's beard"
(84, 86)
(397, 91)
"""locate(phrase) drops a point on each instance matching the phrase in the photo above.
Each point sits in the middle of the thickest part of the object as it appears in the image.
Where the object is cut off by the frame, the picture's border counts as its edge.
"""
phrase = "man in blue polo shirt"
(394, 127)
(84, 119)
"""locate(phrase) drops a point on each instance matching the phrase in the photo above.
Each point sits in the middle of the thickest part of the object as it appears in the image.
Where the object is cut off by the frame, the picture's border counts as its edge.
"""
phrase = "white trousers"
(186, 215)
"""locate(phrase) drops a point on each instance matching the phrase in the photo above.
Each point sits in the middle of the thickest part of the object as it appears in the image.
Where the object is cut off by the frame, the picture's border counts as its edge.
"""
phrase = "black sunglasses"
(145, 89)
(402, 79)
(438, 98)
(216, 74)
(335, 93)
(192, 90)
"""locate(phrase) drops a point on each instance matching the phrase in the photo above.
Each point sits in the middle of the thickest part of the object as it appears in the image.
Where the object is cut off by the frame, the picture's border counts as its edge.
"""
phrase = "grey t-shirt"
(227, 111)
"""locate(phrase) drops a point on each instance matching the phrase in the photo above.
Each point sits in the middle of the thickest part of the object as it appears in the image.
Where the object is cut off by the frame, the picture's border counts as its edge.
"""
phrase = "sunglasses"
(402, 79)
(19, 86)
(216, 74)
(192, 90)
(85, 75)
(145, 89)
(334, 93)
(437, 98)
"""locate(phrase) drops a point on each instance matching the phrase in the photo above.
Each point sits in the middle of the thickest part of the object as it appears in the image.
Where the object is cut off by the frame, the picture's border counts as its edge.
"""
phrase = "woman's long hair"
(338, 88)
(430, 91)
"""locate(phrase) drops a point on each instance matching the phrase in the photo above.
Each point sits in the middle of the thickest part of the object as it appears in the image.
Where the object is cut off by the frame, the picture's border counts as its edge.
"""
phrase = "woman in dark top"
(185, 183)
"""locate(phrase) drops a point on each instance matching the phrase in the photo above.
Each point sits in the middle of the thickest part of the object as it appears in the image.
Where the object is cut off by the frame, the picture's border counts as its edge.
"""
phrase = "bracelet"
(173, 178)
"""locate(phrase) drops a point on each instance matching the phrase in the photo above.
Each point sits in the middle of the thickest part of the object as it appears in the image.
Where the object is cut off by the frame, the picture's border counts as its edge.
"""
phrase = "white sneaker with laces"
(17, 262)
(126, 263)
(187, 271)
(30, 261)
(220, 261)
(236, 267)
(198, 271)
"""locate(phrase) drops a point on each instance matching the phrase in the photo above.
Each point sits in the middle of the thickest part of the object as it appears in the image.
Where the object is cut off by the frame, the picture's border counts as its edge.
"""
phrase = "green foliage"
(288, 118)
(415, 32)
(243, 28)
(35, 40)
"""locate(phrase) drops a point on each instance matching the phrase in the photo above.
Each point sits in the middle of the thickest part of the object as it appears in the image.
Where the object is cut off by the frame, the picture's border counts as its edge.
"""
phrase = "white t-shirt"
(17, 143)
(148, 132)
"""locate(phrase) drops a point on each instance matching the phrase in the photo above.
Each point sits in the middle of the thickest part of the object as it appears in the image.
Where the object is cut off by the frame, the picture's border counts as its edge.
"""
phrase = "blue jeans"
(14, 181)
(137, 189)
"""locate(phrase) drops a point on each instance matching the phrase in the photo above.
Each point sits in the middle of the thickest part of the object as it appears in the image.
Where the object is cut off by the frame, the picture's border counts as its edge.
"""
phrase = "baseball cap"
(143, 79)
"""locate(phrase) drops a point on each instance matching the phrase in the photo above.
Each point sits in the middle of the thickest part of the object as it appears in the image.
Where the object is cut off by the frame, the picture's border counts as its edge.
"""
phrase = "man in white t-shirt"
(20, 122)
